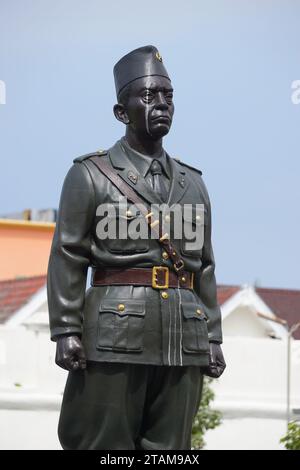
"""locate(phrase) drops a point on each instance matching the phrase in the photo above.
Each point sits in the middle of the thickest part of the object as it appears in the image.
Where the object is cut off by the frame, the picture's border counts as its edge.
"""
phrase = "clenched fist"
(217, 363)
(69, 353)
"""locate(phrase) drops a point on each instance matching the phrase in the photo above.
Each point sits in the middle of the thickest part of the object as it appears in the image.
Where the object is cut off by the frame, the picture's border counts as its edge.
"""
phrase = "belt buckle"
(155, 270)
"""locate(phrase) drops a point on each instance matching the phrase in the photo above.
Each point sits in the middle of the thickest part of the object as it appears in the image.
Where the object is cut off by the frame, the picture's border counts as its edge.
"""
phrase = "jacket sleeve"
(205, 280)
(70, 253)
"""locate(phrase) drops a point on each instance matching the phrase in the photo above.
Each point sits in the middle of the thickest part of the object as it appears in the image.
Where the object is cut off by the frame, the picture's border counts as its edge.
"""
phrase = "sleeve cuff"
(58, 332)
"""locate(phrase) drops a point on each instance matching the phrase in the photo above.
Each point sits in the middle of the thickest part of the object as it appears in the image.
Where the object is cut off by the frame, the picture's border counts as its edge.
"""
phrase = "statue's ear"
(120, 113)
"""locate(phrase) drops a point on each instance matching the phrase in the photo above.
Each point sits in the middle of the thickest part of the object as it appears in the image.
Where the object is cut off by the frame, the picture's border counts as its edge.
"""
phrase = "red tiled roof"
(225, 292)
(15, 293)
(285, 303)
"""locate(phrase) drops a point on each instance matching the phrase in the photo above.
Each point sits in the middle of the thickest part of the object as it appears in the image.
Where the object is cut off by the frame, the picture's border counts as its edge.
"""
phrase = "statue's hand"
(69, 353)
(217, 363)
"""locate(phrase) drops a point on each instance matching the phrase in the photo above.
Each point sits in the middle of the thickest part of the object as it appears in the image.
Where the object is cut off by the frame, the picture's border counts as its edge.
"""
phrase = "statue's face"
(150, 106)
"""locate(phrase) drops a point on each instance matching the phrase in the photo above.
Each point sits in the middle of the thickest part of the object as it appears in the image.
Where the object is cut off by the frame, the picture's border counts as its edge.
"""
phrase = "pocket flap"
(123, 307)
(193, 310)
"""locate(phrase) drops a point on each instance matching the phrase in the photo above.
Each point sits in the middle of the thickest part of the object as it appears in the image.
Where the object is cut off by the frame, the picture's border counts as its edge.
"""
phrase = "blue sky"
(232, 64)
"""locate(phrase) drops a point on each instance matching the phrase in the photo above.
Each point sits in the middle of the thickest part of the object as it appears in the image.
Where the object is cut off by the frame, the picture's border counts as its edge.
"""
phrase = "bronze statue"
(138, 342)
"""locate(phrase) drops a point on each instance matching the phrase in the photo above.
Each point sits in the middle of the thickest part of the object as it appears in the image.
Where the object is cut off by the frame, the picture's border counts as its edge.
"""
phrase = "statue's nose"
(161, 102)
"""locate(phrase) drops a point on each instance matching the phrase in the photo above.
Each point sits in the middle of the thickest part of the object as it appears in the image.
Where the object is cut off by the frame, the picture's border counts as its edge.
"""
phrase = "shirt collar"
(143, 162)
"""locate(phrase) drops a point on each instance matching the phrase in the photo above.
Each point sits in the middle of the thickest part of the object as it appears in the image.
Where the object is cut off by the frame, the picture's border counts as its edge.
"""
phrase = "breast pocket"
(194, 328)
(121, 325)
(124, 231)
(193, 230)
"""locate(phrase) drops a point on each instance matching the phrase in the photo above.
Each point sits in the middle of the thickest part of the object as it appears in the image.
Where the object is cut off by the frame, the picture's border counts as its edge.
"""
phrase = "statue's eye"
(169, 97)
(148, 96)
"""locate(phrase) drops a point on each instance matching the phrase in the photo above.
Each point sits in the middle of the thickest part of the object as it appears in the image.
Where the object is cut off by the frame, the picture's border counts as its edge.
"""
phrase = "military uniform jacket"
(150, 329)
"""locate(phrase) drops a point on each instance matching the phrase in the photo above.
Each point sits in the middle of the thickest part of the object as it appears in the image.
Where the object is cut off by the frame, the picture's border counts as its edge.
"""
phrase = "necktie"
(158, 182)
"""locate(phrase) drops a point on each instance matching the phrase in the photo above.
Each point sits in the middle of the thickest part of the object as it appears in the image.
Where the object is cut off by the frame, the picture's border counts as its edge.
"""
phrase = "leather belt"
(158, 277)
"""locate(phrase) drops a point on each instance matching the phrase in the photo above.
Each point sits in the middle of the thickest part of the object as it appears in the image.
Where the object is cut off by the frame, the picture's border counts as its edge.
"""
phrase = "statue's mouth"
(162, 119)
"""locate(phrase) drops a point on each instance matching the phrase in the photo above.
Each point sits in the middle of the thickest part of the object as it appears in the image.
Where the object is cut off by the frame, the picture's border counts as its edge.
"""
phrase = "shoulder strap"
(126, 190)
(89, 155)
(188, 166)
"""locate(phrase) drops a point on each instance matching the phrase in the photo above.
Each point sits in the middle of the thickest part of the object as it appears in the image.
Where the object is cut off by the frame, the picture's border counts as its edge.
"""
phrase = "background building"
(24, 246)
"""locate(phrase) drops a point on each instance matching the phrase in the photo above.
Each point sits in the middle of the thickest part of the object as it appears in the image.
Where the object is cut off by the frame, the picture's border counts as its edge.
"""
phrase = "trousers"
(118, 406)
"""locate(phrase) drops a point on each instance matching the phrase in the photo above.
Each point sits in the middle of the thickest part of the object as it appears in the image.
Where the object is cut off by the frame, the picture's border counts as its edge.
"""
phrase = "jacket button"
(183, 278)
(165, 255)
(165, 295)
(121, 307)
(167, 218)
(198, 311)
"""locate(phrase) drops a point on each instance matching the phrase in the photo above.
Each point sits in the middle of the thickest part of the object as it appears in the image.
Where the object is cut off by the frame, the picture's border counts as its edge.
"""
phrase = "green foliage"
(291, 440)
(206, 418)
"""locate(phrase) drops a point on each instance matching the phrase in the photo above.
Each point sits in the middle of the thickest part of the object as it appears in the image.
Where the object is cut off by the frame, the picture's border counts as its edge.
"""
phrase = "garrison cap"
(142, 62)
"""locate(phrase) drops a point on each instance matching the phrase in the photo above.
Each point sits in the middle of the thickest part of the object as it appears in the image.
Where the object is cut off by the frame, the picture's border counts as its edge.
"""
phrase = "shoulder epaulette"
(189, 166)
(89, 155)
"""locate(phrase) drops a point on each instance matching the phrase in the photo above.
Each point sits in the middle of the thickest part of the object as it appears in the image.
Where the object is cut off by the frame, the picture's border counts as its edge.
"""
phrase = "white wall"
(247, 434)
(27, 359)
(31, 388)
(252, 393)
(257, 372)
(244, 322)
(28, 430)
